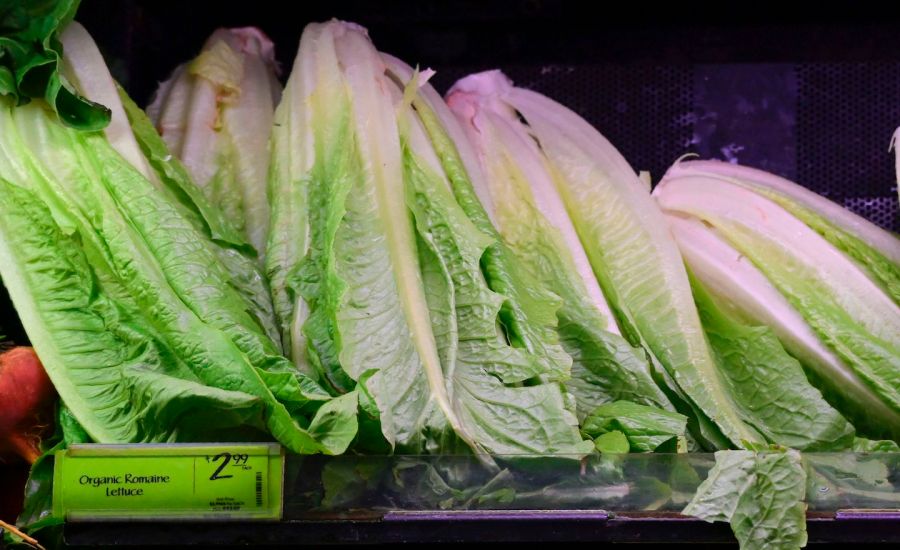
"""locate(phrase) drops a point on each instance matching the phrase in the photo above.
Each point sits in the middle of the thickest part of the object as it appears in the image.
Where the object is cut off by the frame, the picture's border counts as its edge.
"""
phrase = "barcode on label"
(259, 489)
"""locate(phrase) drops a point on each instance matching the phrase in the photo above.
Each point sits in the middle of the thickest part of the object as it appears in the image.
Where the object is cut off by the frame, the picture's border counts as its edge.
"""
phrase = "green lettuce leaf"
(646, 429)
(761, 494)
(48, 269)
(768, 385)
(612, 442)
(30, 58)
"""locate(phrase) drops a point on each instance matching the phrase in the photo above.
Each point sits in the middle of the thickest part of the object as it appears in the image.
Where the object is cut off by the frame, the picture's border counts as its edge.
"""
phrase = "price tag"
(173, 481)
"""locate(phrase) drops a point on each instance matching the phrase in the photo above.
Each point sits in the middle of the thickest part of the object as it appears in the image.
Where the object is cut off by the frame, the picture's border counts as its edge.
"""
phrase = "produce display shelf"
(520, 527)
(603, 498)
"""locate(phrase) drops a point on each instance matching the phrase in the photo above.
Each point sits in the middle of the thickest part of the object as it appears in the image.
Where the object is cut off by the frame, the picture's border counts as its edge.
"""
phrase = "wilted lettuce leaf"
(761, 494)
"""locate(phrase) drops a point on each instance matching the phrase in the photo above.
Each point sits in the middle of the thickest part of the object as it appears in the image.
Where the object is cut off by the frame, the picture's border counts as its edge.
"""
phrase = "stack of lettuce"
(353, 264)
(389, 284)
(825, 281)
(144, 303)
(729, 373)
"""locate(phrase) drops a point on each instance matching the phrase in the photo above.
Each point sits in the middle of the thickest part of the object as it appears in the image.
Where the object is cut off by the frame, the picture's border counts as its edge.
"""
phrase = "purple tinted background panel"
(824, 125)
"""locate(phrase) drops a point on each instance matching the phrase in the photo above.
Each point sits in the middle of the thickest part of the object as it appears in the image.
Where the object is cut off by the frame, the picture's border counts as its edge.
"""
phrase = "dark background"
(152, 35)
(806, 91)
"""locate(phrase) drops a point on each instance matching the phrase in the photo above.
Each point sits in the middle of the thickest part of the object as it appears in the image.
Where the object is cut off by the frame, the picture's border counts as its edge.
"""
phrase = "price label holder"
(169, 482)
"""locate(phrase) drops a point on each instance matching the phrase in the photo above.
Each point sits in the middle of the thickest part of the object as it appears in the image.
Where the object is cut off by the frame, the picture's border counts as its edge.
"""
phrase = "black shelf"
(429, 528)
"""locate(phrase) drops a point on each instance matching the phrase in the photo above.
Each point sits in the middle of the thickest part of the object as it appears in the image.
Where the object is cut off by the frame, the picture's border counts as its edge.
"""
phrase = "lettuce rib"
(875, 250)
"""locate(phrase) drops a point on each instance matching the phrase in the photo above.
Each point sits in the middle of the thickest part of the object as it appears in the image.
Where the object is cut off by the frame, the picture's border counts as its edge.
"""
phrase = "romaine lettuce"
(215, 113)
(851, 314)
(875, 250)
(387, 296)
(632, 255)
(741, 290)
(529, 213)
(133, 316)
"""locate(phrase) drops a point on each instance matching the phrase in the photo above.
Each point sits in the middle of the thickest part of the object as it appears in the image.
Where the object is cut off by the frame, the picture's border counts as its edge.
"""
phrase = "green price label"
(101, 482)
